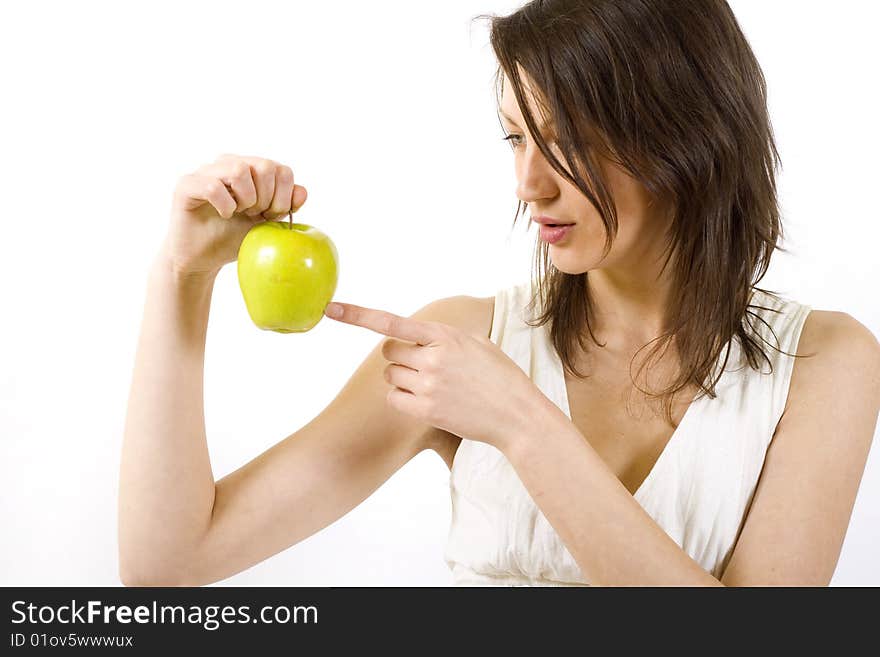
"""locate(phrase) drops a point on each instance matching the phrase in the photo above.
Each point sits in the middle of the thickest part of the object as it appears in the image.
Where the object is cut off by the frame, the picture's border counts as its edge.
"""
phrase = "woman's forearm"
(166, 486)
(611, 537)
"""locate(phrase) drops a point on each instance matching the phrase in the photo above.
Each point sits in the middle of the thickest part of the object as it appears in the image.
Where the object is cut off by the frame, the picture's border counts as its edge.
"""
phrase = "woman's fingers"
(277, 193)
(264, 176)
(195, 189)
(299, 197)
(238, 179)
(403, 377)
(282, 201)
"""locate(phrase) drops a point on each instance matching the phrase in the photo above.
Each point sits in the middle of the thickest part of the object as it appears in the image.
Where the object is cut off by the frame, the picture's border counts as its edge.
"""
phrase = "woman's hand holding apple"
(214, 207)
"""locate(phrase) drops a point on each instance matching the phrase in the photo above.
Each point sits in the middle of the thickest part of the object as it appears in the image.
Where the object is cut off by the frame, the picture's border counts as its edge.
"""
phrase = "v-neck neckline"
(670, 445)
(678, 435)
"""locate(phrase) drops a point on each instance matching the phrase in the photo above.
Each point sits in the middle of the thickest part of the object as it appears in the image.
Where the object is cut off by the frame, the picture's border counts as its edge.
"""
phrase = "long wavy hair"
(671, 91)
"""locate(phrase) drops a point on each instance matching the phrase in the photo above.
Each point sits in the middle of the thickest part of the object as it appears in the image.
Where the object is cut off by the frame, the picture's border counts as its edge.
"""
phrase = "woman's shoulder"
(837, 347)
(827, 338)
(477, 315)
(470, 314)
(838, 331)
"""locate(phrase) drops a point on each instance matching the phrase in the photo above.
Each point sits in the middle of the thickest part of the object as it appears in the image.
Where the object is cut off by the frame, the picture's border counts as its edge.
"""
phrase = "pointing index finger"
(380, 321)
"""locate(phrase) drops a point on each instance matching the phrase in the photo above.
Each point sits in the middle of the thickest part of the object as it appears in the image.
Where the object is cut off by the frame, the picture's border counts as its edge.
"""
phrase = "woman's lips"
(554, 234)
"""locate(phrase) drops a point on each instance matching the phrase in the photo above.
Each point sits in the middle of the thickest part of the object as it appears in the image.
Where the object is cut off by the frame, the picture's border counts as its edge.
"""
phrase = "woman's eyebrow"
(540, 127)
(509, 118)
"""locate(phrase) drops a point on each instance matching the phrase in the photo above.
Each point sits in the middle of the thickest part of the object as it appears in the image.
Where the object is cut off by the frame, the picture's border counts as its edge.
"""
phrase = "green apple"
(287, 273)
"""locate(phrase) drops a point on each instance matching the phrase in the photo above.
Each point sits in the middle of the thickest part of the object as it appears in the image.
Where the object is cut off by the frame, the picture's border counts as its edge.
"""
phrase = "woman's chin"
(572, 271)
(572, 266)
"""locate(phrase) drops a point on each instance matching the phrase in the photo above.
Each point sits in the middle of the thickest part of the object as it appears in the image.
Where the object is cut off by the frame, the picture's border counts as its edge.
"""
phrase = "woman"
(644, 126)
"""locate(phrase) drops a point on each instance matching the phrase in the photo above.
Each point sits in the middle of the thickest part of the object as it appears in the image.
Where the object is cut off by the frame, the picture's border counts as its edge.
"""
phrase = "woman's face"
(640, 236)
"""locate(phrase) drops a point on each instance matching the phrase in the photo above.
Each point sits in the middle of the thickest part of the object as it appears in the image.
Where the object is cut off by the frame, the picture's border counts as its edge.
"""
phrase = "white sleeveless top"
(698, 491)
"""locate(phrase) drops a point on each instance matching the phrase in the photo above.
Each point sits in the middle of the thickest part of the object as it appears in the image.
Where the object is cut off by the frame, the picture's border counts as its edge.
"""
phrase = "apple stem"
(290, 220)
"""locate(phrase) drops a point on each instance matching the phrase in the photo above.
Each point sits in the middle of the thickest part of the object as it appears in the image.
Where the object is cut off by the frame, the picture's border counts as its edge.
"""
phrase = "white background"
(385, 112)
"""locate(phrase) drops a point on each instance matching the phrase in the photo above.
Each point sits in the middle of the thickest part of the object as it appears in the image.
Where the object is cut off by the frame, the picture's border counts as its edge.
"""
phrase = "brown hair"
(671, 91)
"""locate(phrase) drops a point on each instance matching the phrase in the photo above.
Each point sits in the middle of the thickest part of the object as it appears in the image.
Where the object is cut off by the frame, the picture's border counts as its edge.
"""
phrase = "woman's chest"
(627, 431)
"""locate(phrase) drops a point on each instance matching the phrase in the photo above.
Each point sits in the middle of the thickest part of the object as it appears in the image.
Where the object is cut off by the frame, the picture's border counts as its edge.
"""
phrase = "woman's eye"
(512, 140)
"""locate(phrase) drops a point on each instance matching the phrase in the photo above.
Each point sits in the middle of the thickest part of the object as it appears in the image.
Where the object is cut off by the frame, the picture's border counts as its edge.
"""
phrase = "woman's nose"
(535, 177)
